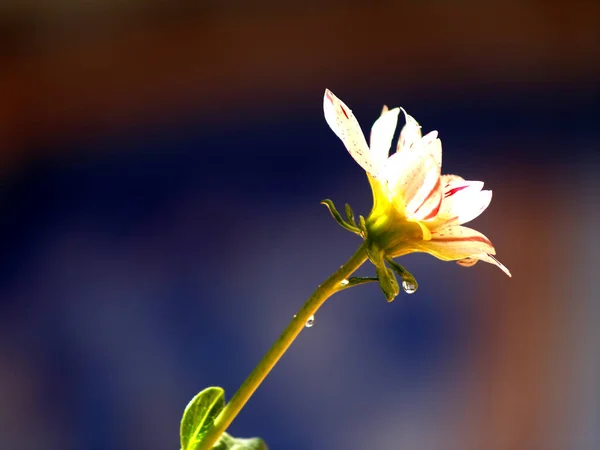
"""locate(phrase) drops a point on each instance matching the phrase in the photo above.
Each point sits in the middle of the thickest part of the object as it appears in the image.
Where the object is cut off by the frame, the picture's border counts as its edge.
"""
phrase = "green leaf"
(227, 442)
(199, 416)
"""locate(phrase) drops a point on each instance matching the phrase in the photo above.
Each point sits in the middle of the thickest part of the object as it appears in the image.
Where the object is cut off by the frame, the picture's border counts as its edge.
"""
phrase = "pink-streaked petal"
(452, 184)
(467, 262)
(396, 168)
(426, 202)
(492, 260)
(411, 179)
(429, 137)
(469, 205)
(463, 206)
(462, 201)
(410, 136)
(346, 127)
(457, 242)
(382, 134)
(450, 180)
(433, 146)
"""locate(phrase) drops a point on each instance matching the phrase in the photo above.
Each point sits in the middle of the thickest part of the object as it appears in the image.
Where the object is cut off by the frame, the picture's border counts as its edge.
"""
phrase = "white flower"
(415, 208)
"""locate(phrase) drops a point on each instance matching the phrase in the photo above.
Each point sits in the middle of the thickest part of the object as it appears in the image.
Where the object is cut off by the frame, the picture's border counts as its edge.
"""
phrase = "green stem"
(332, 285)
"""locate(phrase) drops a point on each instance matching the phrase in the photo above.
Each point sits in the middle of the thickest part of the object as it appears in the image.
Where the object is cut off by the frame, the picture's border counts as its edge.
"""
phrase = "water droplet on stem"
(310, 322)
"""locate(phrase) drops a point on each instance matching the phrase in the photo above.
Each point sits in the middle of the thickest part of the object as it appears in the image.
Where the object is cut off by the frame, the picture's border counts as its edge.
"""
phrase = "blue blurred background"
(161, 168)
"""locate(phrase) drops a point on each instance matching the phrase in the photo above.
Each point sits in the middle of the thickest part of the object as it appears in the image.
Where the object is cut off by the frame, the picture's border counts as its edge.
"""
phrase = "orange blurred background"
(161, 167)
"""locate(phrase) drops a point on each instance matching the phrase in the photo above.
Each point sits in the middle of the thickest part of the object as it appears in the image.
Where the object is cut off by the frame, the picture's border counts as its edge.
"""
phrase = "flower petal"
(432, 145)
(382, 134)
(426, 203)
(467, 262)
(410, 136)
(453, 184)
(450, 180)
(413, 181)
(468, 205)
(457, 242)
(463, 205)
(490, 259)
(423, 200)
(346, 127)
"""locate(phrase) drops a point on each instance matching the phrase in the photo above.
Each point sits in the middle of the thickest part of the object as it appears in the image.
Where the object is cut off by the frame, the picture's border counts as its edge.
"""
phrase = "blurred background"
(161, 167)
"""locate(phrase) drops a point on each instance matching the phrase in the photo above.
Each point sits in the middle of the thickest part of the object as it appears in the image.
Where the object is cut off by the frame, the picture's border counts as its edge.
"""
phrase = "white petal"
(490, 259)
(410, 136)
(432, 145)
(457, 242)
(451, 184)
(450, 180)
(471, 260)
(429, 137)
(382, 134)
(455, 207)
(414, 178)
(464, 205)
(396, 168)
(467, 262)
(346, 127)
(469, 205)
(426, 201)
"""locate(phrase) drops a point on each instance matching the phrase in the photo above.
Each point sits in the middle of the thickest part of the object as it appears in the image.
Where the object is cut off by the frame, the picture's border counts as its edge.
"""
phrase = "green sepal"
(227, 442)
(338, 217)
(386, 277)
(387, 282)
(350, 215)
(355, 281)
(407, 277)
(198, 418)
(362, 225)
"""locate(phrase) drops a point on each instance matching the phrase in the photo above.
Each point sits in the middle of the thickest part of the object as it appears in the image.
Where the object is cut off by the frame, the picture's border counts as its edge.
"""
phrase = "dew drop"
(310, 322)
(344, 282)
(409, 287)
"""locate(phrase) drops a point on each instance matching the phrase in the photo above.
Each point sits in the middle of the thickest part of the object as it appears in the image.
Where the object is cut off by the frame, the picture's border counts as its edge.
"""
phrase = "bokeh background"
(161, 167)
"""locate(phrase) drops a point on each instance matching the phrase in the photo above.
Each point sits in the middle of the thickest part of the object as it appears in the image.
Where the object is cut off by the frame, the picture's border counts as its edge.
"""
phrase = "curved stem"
(332, 285)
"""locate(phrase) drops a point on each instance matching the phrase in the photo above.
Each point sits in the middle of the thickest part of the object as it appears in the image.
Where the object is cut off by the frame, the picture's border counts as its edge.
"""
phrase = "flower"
(415, 208)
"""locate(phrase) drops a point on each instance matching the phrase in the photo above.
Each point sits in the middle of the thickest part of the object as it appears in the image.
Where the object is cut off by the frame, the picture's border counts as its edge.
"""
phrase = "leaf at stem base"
(198, 418)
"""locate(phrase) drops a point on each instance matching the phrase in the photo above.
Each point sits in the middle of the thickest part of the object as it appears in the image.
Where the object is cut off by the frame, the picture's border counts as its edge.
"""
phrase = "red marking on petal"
(328, 96)
(455, 190)
(435, 210)
(344, 111)
(467, 262)
(462, 239)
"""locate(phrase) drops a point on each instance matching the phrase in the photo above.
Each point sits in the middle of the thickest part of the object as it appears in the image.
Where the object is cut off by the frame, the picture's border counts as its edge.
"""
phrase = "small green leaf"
(199, 416)
(350, 215)
(227, 442)
(338, 217)
(362, 225)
